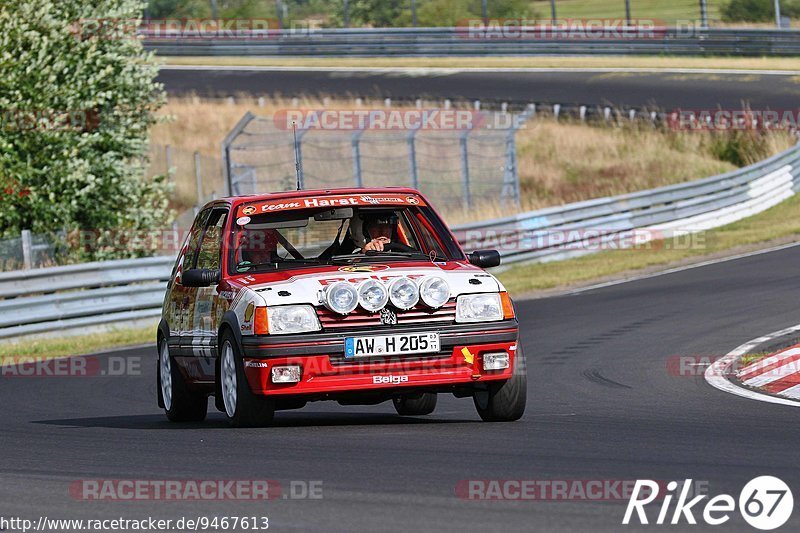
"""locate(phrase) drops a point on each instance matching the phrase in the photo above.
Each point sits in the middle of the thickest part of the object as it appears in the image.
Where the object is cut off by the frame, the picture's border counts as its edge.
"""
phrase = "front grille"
(360, 318)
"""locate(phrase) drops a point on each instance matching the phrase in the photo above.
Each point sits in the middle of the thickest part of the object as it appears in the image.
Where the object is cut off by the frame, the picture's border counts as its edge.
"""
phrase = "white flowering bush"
(77, 99)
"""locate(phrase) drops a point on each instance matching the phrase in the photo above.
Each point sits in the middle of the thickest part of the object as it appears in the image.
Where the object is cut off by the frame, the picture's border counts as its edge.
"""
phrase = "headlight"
(479, 307)
(341, 297)
(292, 319)
(403, 293)
(372, 295)
(434, 291)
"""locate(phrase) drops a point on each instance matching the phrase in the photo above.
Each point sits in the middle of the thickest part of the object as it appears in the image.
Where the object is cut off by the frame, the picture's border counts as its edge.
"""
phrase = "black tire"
(505, 401)
(415, 405)
(247, 409)
(179, 403)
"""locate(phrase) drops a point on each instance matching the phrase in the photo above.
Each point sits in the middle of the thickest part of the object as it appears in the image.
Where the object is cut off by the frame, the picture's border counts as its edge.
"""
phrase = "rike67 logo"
(765, 503)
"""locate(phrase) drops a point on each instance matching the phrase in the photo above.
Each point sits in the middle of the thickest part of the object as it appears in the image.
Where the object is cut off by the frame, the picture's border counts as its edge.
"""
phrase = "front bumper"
(325, 369)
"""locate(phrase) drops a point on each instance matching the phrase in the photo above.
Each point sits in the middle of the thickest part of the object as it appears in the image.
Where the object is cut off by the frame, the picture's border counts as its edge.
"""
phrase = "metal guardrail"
(579, 228)
(118, 292)
(455, 41)
(77, 296)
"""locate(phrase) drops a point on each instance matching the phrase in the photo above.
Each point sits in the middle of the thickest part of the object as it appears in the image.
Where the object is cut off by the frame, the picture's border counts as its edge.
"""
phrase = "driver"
(257, 247)
(379, 230)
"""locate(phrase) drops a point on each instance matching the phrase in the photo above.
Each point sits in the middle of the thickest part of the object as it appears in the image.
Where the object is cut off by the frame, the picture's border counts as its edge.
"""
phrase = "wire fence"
(455, 167)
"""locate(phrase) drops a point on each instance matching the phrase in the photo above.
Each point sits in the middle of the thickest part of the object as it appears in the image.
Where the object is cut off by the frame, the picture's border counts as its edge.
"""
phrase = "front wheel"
(505, 402)
(179, 403)
(421, 404)
(242, 407)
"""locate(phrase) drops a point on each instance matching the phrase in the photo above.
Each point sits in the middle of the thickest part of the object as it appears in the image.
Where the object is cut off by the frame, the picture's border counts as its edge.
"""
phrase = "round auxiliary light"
(341, 297)
(372, 295)
(434, 291)
(403, 293)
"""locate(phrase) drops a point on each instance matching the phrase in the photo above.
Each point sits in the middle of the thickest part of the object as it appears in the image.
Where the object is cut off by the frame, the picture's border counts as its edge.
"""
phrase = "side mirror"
(200, 277)
(485, 258)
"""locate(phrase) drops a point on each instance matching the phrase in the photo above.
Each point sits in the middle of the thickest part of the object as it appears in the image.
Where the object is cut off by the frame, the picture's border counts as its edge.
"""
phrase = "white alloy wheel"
(166, 376)
(228, 378)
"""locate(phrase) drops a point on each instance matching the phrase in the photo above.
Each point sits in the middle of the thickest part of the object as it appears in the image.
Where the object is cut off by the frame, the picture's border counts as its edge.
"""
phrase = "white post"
(27, 249)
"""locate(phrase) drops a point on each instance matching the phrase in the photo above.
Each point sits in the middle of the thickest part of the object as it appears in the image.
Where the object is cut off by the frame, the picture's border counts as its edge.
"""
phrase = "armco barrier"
(455, 41)
(557, 233)
(118, 292)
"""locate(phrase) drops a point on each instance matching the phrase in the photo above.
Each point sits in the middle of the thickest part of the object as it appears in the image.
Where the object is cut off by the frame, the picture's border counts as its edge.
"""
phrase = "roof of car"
(248, 198)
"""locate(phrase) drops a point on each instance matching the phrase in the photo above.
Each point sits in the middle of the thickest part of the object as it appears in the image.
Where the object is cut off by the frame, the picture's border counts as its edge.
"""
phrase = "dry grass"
(571, 62)
(559, 162)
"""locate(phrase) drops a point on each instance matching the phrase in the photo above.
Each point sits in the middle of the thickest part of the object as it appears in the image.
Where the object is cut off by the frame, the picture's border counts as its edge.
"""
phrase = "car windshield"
(304, 237)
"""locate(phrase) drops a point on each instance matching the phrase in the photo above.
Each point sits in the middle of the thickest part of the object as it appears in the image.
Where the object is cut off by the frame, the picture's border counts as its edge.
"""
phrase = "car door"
(181, 296)
(202, 330)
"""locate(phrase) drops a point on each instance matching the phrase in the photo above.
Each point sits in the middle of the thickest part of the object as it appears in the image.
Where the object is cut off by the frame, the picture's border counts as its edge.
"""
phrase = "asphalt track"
(665, 90)
(602, 405)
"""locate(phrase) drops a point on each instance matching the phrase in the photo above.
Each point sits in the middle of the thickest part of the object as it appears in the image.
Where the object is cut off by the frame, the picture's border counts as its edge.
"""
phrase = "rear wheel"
(242, 407)
(180, 404)
(505, 402)
(415, 405)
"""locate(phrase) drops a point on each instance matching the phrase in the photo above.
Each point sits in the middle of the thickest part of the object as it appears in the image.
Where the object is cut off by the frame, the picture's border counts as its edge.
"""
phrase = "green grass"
(780, 221)
(750, 358)
(667, 11)
(77, 345)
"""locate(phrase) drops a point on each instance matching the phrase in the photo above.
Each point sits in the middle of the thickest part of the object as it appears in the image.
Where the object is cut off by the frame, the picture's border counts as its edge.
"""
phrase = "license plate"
(406, 343)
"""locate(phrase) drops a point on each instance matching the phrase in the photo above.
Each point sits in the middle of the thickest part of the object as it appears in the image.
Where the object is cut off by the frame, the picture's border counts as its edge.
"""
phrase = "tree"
(77, 98)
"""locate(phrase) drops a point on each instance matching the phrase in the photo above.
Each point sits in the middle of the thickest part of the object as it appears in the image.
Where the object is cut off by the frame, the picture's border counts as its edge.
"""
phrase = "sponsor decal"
(389, 380)
(247, 325)
(343, 200)
(328, 281)
(227, 295)
(243, 220)
(363, 268)
(255, 364)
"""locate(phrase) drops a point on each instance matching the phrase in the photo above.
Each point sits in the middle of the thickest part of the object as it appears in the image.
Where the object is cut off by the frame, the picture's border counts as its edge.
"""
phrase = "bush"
(77, 98)
(757, 10)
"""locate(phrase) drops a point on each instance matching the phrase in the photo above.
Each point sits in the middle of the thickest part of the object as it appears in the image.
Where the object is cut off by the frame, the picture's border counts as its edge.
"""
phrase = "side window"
(211, 245)
(194, 239)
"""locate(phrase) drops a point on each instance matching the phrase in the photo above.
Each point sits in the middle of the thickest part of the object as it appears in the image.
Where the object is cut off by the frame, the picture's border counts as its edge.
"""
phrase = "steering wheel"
(397, 247)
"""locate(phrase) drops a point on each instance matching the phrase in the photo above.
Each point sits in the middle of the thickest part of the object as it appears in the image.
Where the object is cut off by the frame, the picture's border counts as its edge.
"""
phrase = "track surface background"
(667, 90)
(602, 405)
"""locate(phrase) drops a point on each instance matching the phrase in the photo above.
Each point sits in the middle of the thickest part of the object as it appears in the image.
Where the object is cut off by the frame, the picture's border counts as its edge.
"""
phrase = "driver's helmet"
(375, 218)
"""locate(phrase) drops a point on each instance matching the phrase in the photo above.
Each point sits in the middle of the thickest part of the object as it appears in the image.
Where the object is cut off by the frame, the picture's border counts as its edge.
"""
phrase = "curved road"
(602, 405)
(668, 90)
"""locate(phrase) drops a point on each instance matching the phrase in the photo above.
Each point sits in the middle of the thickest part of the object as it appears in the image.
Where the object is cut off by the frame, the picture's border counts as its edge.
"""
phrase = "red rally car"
(354, 295)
